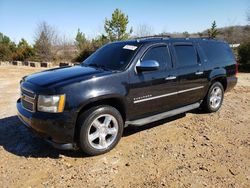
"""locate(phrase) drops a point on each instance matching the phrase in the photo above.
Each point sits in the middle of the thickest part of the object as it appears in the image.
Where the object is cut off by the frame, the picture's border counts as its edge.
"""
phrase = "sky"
(20, 18)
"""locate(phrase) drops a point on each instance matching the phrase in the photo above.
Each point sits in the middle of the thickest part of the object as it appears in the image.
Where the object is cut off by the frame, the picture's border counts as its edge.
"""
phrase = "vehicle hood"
(57, 75)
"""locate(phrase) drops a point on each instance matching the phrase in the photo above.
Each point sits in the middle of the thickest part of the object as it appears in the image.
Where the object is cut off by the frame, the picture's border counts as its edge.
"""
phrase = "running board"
(163, 115)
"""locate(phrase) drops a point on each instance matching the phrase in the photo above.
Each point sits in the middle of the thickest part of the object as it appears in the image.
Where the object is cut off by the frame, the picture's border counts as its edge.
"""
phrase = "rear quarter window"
(217, 52)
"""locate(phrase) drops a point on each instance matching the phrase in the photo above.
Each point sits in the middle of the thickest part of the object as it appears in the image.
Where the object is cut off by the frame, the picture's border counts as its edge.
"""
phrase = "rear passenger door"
(190, 73)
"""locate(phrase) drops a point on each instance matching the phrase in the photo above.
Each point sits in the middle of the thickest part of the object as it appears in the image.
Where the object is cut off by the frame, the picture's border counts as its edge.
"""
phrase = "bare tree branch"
(248, 15)
(48, 30)
(45, 38)
(143, 30)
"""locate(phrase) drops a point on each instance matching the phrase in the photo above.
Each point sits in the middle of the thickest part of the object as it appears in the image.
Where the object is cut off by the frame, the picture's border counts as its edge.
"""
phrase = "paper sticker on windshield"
(129, 47)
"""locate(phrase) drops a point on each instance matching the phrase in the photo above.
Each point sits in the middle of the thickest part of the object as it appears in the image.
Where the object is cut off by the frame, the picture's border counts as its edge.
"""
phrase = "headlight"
(51, 103)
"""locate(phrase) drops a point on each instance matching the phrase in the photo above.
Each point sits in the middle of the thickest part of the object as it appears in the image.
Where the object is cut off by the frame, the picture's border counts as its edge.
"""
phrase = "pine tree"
(7, 48)
(116, 28)
(213, 32)
(80, 40)
(24, 51)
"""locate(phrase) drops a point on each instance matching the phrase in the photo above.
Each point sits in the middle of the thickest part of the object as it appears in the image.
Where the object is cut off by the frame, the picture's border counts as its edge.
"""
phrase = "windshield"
(114, 56)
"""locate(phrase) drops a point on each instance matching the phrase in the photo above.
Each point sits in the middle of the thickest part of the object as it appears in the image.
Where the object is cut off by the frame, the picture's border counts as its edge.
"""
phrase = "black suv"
(125, 83)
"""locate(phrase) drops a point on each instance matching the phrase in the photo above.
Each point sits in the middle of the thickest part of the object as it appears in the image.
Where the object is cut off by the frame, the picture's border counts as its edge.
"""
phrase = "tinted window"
(159, 54)
(186, 55)
(217, 51)
(114, 56)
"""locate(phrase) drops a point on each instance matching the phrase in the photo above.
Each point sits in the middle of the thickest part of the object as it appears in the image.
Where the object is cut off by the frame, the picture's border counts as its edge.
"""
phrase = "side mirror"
(148, 65)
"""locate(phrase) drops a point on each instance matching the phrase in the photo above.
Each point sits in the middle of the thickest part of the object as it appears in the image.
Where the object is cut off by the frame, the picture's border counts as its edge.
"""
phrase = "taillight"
(236, 68)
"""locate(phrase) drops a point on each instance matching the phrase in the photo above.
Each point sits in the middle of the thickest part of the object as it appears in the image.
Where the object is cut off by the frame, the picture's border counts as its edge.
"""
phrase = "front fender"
(115, 97)
(80, 94)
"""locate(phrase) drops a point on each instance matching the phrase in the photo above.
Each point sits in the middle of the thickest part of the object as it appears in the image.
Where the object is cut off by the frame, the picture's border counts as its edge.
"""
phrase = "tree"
(116, 28)
(65, 50)
(213, 32)
(200, 34)
(24, 51)
(186, 34)
(100, 41)
(248, 15)
(7, 47)
(45, 38)
(244, 55)
(80, 40)
(228, 35)
(143, 31)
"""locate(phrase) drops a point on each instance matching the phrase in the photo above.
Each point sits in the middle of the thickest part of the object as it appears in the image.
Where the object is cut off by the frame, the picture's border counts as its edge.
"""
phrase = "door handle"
(199, 72)
(170, 78)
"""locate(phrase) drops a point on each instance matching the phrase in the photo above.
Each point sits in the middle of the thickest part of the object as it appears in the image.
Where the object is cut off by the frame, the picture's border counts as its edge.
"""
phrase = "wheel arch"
(218, 75)
(222, 79)
(114, 101)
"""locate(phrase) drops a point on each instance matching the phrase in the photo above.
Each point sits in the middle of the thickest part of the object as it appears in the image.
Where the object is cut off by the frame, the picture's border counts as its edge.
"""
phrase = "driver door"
(154, 91)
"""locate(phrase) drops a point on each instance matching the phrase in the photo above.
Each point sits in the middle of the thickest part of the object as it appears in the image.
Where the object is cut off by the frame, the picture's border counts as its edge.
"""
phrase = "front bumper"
(57, 129)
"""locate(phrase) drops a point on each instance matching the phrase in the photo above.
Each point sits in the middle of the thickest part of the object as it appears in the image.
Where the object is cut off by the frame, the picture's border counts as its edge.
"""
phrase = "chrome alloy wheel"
(215, 97)
(103, 131)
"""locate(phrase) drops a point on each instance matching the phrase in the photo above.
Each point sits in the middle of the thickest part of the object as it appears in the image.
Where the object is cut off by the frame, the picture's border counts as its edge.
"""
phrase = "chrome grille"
(28, 99)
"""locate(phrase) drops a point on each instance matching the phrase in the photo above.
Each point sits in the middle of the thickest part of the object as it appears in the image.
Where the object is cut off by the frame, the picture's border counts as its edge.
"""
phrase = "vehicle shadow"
(198, 111)
(19, 140)
(135, 129)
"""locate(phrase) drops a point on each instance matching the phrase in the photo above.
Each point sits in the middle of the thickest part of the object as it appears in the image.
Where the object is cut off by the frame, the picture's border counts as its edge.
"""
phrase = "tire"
(101, 129)
(214, 98)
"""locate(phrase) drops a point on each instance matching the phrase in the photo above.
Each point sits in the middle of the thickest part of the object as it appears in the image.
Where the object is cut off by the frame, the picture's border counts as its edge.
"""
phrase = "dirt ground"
(192, 150)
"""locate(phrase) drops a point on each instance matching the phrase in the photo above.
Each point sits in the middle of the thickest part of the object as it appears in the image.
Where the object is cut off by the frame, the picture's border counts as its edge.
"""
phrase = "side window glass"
(186, 55)
(159, 54)
(217, 52)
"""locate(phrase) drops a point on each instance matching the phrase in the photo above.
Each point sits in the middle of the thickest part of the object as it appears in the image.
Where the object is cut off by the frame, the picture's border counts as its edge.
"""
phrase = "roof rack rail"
(153, 37)
(204, 38)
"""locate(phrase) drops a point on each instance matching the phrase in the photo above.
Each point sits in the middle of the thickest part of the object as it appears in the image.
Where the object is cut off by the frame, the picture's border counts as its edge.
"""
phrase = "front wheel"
(100, 129)
(214, 98)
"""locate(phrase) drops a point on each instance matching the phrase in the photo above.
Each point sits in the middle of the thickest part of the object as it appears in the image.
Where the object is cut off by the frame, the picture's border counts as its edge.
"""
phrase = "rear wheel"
(214, 98)
(100, 129)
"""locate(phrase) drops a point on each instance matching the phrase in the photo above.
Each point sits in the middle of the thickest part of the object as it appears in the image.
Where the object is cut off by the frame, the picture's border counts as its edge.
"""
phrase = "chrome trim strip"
(22, 88)
(156, 97)
(25, 89)
(168, 94)
(28, 99)
(170, 78)
(163, 115)
(199, 73)
(191, 89)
